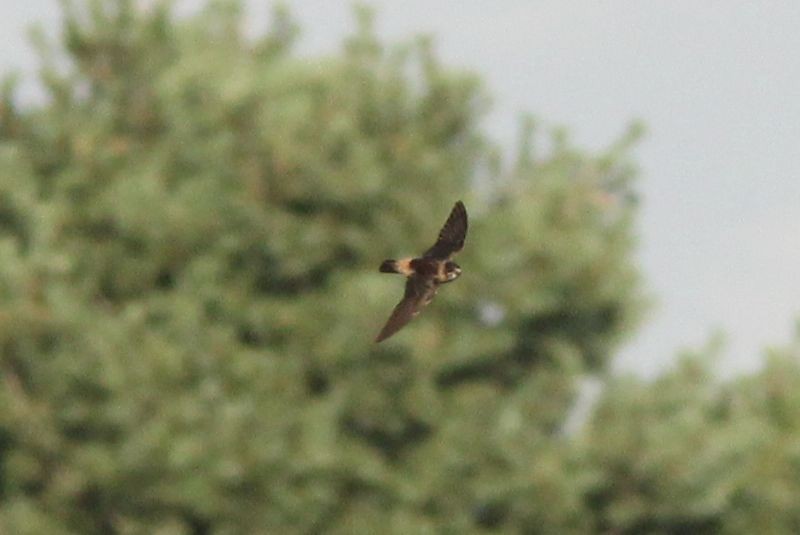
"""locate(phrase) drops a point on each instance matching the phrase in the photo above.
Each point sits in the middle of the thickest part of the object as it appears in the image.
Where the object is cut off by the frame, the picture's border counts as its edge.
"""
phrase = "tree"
(190, 226)
(690, 453)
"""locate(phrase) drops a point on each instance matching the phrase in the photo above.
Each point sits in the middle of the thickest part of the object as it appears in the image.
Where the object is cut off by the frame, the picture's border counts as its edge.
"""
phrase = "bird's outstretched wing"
(452, 235)
(419, 292)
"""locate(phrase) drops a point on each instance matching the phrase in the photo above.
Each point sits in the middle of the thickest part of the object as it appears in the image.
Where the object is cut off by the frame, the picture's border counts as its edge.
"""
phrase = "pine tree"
(190, 227)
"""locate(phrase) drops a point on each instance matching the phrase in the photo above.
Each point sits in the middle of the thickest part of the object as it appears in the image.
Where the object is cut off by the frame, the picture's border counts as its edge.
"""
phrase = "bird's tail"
(389, 266)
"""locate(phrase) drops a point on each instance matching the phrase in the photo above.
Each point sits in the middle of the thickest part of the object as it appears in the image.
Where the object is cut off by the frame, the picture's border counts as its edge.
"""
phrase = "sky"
(717, 84)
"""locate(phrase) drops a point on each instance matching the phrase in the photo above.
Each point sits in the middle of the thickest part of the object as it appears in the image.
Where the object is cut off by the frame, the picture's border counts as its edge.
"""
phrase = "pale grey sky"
(717, 84)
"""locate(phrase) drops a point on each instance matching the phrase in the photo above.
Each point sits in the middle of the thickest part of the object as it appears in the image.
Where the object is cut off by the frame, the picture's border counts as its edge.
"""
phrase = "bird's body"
(423, 266)
(426, 273)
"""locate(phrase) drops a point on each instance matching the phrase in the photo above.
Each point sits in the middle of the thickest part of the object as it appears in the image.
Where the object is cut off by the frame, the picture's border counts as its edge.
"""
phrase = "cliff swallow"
(426, 273)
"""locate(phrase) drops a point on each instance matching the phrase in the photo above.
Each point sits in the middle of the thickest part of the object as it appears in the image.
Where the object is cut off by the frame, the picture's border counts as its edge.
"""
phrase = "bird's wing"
(419, 292)
(452, 235)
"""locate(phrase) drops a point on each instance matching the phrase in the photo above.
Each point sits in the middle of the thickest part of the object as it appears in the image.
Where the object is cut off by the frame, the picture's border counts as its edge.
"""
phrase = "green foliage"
(691, 454)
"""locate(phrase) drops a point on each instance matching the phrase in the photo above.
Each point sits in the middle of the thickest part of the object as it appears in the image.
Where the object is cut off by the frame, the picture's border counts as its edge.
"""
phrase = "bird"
(424, 274)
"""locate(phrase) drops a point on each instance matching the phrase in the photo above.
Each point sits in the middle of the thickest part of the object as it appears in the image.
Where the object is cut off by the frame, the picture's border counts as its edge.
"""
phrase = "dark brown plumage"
(426, 273)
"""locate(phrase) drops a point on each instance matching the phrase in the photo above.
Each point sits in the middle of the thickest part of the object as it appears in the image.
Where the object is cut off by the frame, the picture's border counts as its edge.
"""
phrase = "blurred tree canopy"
(190, 226)
(689, 453)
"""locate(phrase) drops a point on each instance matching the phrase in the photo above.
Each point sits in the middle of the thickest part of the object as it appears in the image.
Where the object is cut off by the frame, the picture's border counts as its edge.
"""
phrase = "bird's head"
(452, 270)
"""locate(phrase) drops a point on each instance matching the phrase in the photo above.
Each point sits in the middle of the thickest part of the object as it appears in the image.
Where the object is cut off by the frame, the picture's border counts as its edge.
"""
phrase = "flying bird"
(426, 273)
